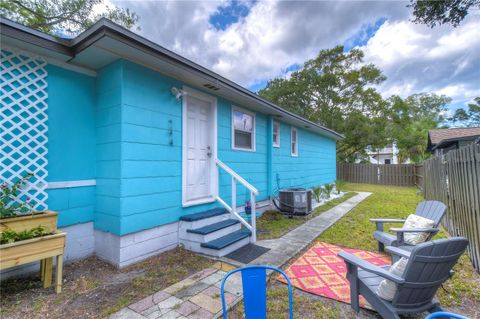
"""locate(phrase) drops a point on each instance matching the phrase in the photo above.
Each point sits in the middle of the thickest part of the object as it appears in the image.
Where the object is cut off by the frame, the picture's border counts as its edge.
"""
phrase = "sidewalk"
(284, 248)
(198, 296)
(195, 297)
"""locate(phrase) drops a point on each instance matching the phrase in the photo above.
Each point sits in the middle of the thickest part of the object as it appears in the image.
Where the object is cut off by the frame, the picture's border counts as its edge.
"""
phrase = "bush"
(339, 185)
(317, 193)
(8, 196)
(328, 189)
(10, 236)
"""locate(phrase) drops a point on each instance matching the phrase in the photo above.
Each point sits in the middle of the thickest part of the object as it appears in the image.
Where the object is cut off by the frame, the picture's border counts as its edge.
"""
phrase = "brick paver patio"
(195, 297)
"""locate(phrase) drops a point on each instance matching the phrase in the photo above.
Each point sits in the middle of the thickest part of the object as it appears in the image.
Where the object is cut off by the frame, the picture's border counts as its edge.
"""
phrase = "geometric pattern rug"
(321, 272)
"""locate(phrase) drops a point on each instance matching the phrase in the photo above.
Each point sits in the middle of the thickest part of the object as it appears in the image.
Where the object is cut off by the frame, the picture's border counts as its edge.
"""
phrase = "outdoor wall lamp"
(178, 93)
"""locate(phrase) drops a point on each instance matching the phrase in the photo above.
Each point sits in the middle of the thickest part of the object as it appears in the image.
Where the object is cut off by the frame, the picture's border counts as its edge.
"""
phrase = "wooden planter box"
(36, 249)
(47, 219)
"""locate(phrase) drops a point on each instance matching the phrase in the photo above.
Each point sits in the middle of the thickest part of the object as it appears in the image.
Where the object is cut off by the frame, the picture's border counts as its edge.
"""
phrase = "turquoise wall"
(315, 164)
(123, 128)
(109, 93)
(71, 143)
(136, 113)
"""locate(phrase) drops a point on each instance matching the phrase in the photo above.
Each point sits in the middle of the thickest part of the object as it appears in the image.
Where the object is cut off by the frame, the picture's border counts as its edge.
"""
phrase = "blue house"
(140, 149)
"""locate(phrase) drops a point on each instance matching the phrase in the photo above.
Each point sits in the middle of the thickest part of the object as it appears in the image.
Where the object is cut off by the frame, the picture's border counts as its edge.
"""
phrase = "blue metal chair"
(254, 281)
(443, 314)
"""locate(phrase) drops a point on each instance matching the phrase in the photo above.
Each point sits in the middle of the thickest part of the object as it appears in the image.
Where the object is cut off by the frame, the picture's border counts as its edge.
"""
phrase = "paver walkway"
(284, 248)
(198, 296)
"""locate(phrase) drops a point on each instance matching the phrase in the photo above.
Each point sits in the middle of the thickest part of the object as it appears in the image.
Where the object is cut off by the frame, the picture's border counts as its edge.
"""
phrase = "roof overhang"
(447, 142)
(106, 42)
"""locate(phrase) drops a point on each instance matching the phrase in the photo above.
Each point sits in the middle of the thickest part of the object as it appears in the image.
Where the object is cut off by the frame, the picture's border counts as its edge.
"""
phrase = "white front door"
(199, 148)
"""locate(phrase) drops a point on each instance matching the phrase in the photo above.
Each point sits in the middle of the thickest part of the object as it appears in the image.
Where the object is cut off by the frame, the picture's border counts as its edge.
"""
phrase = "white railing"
(233, 208)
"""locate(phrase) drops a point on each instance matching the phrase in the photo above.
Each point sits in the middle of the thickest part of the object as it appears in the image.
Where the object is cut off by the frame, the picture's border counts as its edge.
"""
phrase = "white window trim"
(295, 154)
(213, 166)
(253, 149)
(275, 143)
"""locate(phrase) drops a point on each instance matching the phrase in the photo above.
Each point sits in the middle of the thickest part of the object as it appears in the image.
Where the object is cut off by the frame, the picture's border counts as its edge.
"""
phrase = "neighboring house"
(386, 155)
(136, 146)
(441, 141)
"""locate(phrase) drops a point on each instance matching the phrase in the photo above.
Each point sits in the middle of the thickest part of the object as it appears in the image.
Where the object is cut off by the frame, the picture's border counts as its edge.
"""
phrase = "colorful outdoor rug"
(320, 271)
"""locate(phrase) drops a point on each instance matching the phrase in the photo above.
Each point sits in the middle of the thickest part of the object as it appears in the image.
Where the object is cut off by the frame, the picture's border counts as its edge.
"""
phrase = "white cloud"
(277, 34)
(416, 58)
(274, 35)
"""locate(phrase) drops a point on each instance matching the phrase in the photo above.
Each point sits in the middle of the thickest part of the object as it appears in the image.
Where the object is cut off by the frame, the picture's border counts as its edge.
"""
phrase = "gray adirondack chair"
(430, 209)
(429, 265)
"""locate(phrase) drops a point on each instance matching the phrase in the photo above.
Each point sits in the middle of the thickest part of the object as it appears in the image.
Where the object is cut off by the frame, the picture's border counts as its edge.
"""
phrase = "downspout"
(269, 156)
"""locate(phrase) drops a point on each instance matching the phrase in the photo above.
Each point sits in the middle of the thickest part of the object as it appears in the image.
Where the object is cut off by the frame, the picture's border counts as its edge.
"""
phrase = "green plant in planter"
(317, 193)
(339, 185)
(9, 207)
(10, 236)
(328, 189)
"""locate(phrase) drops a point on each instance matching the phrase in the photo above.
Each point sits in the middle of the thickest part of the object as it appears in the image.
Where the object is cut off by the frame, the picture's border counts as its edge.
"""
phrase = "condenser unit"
(295, 201)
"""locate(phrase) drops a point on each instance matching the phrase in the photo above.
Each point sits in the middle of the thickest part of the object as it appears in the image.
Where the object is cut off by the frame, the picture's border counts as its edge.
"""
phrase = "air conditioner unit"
(296, 201)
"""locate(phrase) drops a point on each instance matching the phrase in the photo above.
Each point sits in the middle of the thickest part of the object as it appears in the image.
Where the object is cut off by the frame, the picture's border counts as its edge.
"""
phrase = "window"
(276, 134)
(294, 136)
(387, 161)
(243, 126)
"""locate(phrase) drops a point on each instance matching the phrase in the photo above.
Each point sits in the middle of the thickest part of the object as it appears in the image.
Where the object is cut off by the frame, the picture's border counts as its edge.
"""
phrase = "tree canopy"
(438, 12)
(335, 89)
(63, 17)
(469, 117)
(411, 119)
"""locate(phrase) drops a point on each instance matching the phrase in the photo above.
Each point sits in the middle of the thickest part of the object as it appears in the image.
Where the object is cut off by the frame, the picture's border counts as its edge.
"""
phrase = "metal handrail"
(233, 208)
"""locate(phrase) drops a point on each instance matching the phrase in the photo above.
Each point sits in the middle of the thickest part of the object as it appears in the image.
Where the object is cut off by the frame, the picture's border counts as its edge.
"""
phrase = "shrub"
(339, 185)
(328, 189)
(9, 207)
(317, 193)
(10, 236)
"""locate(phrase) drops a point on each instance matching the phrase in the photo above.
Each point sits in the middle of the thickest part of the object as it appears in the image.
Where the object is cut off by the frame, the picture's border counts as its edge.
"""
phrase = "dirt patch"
(95, 289)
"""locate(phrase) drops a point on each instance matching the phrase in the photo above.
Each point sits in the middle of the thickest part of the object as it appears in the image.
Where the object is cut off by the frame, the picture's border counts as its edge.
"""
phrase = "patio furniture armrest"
(380, 221)
(414, 230)
(401, 231)
(386, 220)
(398, 251)
(360, 263)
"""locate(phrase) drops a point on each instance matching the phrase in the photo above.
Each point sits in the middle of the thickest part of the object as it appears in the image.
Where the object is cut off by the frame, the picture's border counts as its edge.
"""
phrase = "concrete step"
(202, 219)
(220, 252)
(205, 214)
(205, 230)
(210, 232)
(227, 240)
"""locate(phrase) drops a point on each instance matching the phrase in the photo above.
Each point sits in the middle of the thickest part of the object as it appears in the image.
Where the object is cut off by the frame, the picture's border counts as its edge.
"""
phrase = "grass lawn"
(461, 294)
(273, 224)
(95, 289)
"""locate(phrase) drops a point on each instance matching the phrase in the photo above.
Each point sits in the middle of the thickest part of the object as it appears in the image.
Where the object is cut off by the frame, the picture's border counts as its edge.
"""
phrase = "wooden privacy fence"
(418, 175)
(389, 174)
(455, 180)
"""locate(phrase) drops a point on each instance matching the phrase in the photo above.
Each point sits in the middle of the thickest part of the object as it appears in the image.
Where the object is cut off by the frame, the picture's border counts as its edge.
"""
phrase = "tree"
(336, 89)
(410, 121)
(65, 17)
(433, 12)
(470, 117)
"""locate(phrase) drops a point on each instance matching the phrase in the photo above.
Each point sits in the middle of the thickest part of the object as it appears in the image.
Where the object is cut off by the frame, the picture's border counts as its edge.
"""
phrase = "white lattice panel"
(23, 123)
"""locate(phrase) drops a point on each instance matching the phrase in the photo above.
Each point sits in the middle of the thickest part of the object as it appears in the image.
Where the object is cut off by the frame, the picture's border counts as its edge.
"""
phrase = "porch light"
(178, 93)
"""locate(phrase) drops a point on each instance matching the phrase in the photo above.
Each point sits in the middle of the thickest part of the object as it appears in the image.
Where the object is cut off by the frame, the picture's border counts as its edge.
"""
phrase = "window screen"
(294, 142)
(276, 134)
(243, 130)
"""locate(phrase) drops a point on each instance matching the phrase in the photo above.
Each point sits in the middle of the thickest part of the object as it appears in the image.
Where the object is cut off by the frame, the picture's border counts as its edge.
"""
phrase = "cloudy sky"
(251, 42)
